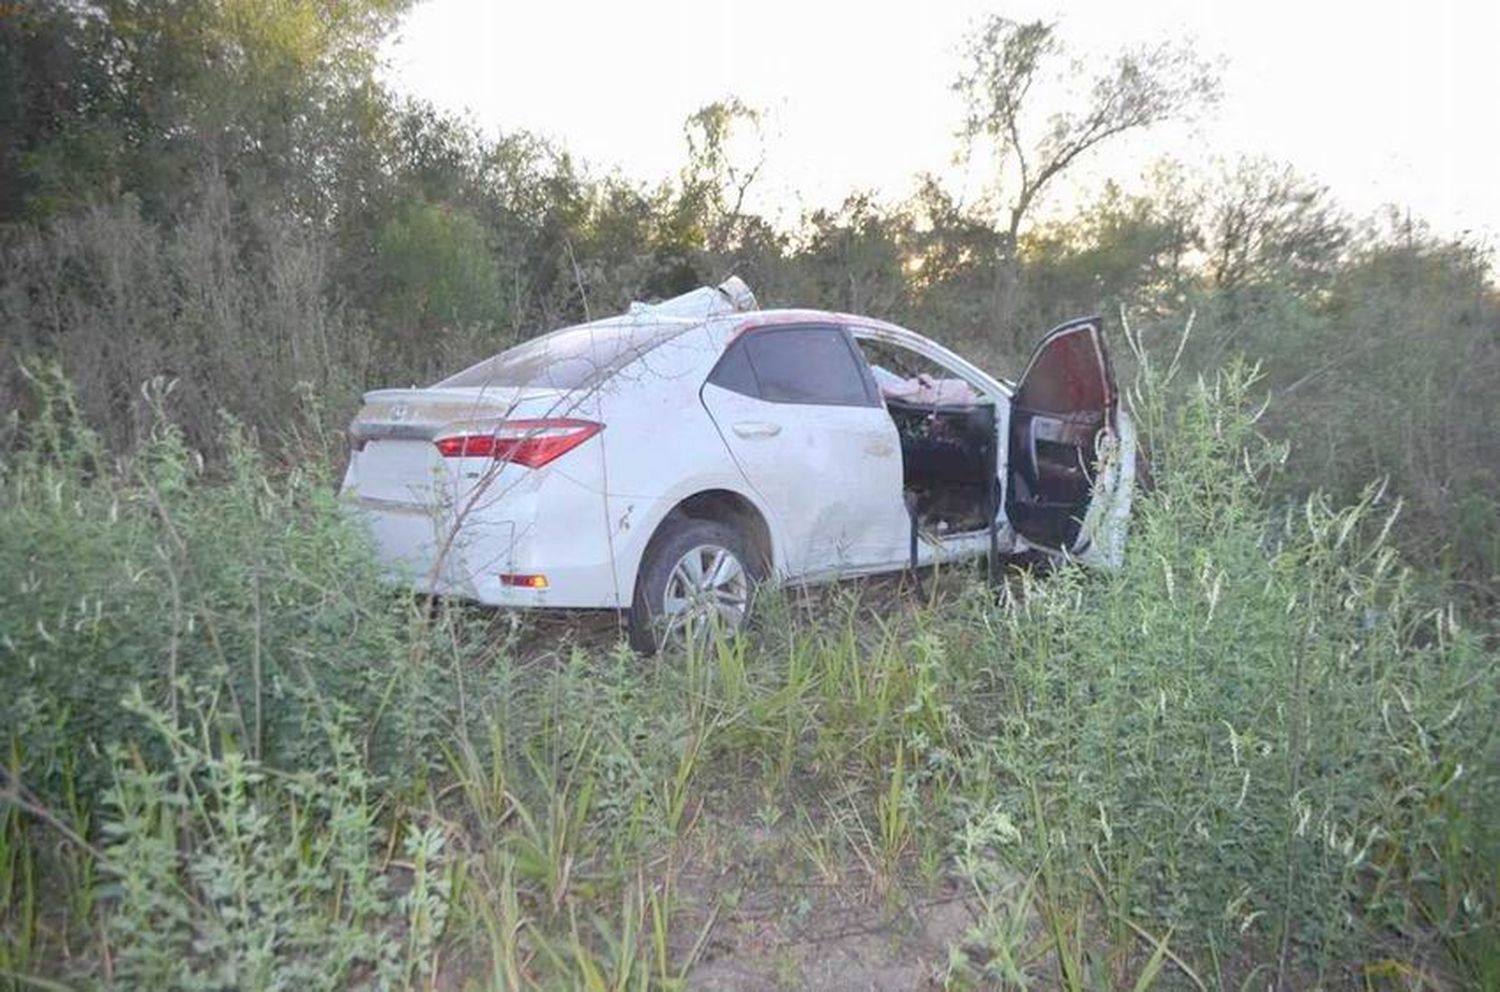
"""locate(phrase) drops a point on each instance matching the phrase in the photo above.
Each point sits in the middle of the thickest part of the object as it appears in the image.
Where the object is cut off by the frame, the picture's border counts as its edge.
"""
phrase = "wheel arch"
(710, 499)
(686, 518)
(735, 509)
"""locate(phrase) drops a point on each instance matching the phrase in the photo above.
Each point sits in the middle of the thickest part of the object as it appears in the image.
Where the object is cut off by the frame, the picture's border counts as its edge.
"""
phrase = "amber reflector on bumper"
(524, 581)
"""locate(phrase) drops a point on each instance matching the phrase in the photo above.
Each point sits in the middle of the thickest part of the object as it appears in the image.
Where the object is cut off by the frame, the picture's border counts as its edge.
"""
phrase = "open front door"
(1064, 416)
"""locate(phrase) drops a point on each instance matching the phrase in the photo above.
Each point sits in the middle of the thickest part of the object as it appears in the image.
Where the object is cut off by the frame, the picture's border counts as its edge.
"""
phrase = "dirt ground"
(758, 909)
(751, 914)
(765, 933)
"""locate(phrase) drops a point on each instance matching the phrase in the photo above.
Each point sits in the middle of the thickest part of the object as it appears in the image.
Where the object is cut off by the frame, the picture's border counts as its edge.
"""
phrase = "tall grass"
(1255, 755)
(247, 595)
(1254, 735)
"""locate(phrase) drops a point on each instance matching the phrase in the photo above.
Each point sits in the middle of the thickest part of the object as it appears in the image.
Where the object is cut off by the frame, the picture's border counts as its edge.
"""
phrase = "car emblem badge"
(400, 411)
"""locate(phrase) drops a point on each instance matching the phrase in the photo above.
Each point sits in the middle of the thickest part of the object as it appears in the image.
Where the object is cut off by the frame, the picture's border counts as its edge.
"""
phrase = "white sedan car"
(669, 460)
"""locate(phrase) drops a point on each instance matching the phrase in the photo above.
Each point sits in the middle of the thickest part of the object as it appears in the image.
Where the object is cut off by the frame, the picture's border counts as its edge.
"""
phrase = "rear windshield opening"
(567, 359)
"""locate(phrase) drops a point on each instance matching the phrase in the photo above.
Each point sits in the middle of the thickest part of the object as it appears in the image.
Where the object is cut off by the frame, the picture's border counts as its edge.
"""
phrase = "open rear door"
(1069, 483)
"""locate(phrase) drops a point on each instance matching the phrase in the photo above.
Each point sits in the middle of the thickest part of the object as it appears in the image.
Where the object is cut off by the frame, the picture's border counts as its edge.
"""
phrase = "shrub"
(223, 873)
(1255, 736)
(251, 596)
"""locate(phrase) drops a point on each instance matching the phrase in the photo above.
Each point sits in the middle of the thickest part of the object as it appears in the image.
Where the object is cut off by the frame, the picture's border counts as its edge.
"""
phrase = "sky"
(1386, 103)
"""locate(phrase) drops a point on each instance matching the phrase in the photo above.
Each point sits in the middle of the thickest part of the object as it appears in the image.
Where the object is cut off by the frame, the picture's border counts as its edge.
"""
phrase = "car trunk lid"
(395, 458)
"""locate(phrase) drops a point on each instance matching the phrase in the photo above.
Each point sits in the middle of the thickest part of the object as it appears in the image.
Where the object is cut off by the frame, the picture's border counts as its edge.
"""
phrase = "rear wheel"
(697, 577)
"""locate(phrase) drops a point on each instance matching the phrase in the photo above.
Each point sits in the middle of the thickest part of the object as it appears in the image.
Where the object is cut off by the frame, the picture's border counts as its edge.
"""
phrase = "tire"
(675, 601)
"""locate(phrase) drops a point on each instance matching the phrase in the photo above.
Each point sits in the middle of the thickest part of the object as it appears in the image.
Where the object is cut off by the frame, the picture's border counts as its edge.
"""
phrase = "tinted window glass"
(734, 372)
(806, 365)
(566, 359)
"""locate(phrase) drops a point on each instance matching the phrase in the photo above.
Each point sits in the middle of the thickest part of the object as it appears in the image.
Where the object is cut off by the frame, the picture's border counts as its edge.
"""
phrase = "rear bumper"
(556, 530)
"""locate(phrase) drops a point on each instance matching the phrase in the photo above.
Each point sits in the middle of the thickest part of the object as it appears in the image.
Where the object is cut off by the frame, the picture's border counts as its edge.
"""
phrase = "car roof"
(733, 324)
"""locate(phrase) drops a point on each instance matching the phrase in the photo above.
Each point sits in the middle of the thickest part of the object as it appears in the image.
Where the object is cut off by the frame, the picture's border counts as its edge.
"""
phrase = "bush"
(237, 308)
(251, 597)
(223, 873)
(1255, 736)
(1258, 752)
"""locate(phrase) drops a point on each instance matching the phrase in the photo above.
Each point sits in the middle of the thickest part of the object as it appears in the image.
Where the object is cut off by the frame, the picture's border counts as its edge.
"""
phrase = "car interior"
(948, 438)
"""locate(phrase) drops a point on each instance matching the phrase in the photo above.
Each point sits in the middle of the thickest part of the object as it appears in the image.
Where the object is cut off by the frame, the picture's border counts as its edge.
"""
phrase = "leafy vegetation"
(1262, 753)
(1256, 753)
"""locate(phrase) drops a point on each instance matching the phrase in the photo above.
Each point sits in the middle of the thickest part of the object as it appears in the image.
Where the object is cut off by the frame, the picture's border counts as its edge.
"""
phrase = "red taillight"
(532, 443)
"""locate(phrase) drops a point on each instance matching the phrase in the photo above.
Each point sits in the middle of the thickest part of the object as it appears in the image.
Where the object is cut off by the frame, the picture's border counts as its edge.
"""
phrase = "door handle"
(756, 428)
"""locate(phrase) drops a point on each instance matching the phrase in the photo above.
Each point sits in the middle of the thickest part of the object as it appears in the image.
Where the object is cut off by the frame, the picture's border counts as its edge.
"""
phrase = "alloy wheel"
(707, 586)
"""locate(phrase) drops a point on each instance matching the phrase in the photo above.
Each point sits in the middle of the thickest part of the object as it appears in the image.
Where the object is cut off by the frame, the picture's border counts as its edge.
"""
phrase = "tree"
(1005, 62)
(1120, 250)
(149, 96)
(1264, 222)
(439, 271)
(52, 74)
(856, 257)
(715, 180)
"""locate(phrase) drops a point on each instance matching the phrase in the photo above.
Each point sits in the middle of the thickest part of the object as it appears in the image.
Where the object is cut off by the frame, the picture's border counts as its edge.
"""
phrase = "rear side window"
(734, 372)
(566, 359)
(814, 365)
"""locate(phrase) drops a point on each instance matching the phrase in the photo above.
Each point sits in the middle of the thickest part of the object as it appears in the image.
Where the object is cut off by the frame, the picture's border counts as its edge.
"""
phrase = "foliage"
(1262, 752)
(716, 181)
(1253, 733)
(269, 93)
(438, 270)
(226, 874)
(1128, 250)
(1255, 753)
(236, 309)
(1268, 225)
(150, 580)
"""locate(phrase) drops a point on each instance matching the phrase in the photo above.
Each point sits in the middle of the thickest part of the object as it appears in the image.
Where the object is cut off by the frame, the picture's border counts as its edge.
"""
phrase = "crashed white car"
(669, 460)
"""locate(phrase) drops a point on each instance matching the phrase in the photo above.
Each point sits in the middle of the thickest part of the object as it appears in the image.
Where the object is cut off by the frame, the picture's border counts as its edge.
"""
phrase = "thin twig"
(578, 278)
(15, 794)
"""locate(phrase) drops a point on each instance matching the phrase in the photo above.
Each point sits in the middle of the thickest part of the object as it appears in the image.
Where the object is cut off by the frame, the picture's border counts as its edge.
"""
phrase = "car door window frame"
(954, 364)
(739, 348)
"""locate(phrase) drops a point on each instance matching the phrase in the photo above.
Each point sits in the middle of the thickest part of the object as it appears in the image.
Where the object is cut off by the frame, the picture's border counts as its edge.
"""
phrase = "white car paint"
(782, 447)
(825, 480)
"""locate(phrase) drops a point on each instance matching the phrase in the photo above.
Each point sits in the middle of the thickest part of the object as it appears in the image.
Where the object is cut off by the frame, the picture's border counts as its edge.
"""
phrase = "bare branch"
(1137, 89)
